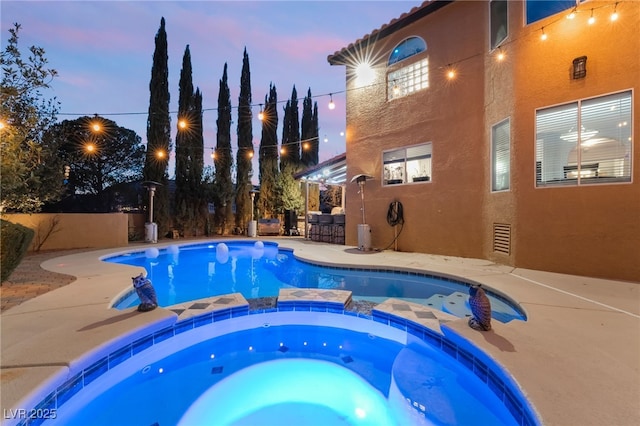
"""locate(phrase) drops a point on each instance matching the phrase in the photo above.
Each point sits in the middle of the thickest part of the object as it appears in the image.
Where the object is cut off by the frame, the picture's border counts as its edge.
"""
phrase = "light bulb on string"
(451, 73)
(614, 15)
(331, 104)
(500, 56)
(591, 18)
(543, 36)
(326, 139)
(572, 14)
(261, 114)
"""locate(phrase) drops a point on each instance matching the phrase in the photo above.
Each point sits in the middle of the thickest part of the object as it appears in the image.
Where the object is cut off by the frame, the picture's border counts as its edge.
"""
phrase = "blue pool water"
(256, 269)
(278, 369)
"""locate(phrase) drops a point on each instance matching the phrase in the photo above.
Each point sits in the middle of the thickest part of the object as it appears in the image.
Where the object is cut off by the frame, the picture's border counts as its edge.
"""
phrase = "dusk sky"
(103, 53)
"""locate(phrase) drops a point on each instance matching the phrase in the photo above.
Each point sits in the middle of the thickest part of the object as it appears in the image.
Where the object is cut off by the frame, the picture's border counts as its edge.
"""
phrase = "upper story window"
(540, 9)
(404, 79)
(499, 22)
(407, 80)
(405, 165)
(585, 142)
(408, 47)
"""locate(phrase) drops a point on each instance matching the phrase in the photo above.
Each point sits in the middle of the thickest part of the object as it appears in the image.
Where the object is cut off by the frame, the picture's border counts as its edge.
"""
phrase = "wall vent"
(502, 238)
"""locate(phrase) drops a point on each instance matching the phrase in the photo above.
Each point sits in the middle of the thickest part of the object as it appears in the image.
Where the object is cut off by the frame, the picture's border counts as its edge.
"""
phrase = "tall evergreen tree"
(294, 131)
(159, 131)
(245, 147)
(268, 160)
(309, 154)
(196, 182)
(185, 106)
(223, 187)
(286, 153)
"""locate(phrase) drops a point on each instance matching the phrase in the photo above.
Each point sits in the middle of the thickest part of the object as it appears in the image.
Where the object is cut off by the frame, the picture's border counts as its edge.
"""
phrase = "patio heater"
(253, 224)
(151, 228)
(364, 231)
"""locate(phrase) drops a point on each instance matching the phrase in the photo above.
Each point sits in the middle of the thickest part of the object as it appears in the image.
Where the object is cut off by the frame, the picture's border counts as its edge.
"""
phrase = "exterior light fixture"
(543, 36)
(451, 73)
(579, 67)
(261, 114)
(331, 104)
(591, 18)
(182, 124)
(500, 56)
(614, 15)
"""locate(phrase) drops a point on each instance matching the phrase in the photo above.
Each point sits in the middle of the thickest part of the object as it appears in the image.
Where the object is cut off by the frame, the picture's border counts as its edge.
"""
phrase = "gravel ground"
(29, 280)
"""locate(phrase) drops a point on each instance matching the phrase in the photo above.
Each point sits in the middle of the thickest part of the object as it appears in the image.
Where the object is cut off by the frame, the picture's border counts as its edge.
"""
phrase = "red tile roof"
(427, 7)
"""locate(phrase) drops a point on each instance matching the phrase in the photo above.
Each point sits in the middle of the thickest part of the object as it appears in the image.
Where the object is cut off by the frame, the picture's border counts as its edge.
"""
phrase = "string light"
(261, 114)
(451, 73)
(614, 15)
(543, 36)
(182, 124)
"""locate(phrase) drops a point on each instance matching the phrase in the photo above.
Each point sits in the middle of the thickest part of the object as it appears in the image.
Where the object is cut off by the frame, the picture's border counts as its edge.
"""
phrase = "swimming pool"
(284, 367)
(259, 269)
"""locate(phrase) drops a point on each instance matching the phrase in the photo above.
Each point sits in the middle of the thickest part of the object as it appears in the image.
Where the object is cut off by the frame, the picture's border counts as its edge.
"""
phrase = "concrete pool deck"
(577, 357)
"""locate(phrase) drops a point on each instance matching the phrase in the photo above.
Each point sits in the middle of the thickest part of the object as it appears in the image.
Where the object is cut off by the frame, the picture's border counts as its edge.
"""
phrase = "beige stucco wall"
(74, 230)
(441, 216)
(588, 230)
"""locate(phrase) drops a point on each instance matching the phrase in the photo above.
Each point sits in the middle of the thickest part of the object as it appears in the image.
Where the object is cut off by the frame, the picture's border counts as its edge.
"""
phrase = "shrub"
(15, 241)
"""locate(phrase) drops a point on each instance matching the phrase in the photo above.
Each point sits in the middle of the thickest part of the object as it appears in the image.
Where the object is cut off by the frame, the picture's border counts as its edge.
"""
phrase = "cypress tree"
(196, 189)
(286, 156)
(268, 160)
(294, 129)
(183, 209)
(159, 131)
(245, 147)
(223, 187)
(309, 155)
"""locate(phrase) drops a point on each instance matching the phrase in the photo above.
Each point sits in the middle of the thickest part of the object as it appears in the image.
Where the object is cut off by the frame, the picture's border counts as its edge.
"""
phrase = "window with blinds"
(585, 142)
(407, 165)
(500, 156)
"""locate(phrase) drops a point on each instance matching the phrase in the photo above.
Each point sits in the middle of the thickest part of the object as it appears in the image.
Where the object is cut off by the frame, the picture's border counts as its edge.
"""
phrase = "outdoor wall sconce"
(579, 67)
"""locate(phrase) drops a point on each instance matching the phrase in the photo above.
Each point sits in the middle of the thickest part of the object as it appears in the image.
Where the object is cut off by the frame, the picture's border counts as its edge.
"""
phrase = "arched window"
(408, 47)
(411, 76)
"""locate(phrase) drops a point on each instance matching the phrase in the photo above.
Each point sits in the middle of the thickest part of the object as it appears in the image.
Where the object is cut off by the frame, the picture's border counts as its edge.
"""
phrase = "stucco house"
(506, 131)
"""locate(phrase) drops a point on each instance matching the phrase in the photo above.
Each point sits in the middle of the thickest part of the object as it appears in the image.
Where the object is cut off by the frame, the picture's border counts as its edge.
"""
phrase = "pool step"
(457, 304)
(300, 298)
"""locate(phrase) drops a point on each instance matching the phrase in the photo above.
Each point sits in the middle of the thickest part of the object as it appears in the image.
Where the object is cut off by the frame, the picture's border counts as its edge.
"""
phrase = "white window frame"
(600, 153)
(501, 156)
(407, 165)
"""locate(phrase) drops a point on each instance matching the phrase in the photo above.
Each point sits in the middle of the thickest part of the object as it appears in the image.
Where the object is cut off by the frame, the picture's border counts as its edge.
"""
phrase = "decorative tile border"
(495, 379)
